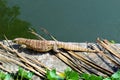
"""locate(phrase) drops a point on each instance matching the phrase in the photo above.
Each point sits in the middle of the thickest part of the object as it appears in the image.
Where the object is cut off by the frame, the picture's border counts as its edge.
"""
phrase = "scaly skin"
(44, 45)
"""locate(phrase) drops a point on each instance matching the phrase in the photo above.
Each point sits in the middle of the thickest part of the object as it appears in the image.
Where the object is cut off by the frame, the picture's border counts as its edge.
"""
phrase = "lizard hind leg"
(55, 48)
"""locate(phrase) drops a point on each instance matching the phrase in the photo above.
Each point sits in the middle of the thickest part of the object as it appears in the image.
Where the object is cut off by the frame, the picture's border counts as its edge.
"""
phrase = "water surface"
(73, 20)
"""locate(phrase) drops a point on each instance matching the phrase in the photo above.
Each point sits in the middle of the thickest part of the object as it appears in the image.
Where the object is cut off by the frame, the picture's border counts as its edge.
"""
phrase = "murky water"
(73, 20)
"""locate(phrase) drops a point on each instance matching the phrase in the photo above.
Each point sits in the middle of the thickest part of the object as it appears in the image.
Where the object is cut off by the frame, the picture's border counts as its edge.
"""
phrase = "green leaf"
(22, 72)
(4, 76)
(25, 74)
(116, 75)
(107, 78)
(86, 76)
(29, 75)
(94, 77)
(51, 75)
(7, 77)
(71, 75)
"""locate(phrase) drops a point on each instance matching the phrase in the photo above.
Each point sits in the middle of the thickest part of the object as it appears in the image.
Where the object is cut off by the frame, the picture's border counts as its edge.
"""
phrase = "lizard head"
(19, 40)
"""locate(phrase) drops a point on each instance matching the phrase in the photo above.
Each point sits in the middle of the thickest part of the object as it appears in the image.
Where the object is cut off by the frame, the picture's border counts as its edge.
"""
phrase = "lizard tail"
(72, 47)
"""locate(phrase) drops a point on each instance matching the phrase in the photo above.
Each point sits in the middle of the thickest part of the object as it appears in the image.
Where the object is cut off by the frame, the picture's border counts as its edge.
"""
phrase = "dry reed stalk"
(31, 64)
(67, 61)
(10, 55)
(23, 59)
(38, 63)
(2, 68)
(112, 45)
(74, 61)
(95, 66)
(107, 47)
(109, 43)
(106, 56)
(77, 63)
(34, 33)
(113, 61)
(3, 58)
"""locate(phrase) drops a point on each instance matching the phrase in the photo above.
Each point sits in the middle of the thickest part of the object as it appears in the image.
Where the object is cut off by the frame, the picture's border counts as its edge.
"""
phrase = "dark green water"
(73, 20)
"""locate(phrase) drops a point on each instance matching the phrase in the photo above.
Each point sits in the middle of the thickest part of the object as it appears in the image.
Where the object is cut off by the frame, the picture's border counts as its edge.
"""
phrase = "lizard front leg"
(22, 46)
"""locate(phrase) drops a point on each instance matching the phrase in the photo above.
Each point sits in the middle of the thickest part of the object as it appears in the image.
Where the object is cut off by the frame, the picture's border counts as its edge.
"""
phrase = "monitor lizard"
(47, 45)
